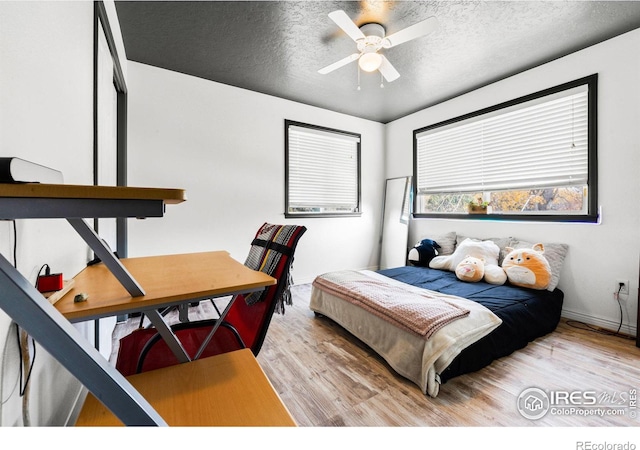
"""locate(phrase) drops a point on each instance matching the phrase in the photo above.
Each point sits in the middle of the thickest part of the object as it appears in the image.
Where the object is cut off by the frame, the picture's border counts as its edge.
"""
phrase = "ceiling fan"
(370, 39)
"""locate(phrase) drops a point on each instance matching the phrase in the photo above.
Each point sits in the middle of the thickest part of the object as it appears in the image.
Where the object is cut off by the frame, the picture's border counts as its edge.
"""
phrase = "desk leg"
(215, 326)
(169, 337)
(106, 255)
(183, 312)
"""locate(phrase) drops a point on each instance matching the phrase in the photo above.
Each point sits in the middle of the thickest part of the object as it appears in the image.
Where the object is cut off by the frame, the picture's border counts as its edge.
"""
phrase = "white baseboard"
(607, 324)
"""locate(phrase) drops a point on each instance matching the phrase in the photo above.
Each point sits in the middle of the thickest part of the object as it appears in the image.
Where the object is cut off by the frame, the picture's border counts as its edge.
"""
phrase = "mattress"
(511, 318)
(526, 314)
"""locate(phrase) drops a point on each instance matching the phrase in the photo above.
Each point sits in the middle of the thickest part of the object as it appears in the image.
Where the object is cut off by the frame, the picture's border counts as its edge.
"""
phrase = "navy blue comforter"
(526, 314)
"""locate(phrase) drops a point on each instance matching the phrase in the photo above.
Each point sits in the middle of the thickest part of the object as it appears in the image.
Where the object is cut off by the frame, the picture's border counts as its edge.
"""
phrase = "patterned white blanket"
(423, 312)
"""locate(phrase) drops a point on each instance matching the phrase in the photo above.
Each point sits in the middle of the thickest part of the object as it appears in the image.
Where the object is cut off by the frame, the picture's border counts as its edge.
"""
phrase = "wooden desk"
(224, 390)
(168, 280)
(76, 191)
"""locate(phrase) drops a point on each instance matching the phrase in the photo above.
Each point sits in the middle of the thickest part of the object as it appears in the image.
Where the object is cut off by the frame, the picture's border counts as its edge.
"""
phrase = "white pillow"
(447, 242)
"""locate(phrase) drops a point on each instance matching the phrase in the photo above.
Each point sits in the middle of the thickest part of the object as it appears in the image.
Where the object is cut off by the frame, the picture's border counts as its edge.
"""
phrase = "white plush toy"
(486, 250)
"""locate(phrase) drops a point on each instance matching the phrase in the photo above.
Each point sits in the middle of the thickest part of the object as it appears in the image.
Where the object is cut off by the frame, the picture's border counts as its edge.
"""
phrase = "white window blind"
(323, 173)
(536, 144)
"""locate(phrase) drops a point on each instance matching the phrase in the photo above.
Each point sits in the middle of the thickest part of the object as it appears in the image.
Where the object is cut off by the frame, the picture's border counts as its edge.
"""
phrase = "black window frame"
(358, 212)
(592, 214)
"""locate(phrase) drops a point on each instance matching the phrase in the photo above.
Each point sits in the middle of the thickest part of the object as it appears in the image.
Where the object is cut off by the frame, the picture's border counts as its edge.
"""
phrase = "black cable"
(587, 327)
(47, 272)
(23, 386)
(15, 244)
(620, 305)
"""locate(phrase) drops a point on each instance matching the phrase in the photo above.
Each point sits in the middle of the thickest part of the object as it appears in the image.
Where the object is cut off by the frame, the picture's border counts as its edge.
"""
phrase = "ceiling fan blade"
(414, 31)
(337, 65)
(348, 26)
(388, 71)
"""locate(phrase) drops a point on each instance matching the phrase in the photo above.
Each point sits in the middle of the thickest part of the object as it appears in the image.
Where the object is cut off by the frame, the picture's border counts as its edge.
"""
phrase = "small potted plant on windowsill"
(477, 206)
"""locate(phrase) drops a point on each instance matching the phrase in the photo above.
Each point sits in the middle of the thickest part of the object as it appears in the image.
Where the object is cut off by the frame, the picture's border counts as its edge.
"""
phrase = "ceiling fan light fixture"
(370, 62)
(370, 38)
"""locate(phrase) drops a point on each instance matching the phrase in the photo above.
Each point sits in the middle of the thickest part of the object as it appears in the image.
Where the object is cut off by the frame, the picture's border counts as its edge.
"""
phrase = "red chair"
(246, 323)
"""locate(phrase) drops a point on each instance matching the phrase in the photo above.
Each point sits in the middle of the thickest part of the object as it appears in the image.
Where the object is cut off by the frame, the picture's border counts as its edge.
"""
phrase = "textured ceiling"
(277, 47)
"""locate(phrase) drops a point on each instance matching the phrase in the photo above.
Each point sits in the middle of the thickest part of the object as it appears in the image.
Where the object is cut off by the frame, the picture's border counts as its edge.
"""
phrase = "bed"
(500, 320)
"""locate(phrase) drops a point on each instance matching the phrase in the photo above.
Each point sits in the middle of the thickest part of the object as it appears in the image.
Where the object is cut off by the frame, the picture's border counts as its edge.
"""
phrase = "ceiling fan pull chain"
(358, 77)
(381, 81)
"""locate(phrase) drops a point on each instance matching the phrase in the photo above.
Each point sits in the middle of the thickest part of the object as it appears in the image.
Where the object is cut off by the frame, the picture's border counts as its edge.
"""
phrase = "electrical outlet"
(624, 290)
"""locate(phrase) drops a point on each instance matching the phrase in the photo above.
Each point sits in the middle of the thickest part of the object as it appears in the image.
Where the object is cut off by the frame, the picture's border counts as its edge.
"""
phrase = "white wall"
(225, 146)
(46, 116)
(598, 254)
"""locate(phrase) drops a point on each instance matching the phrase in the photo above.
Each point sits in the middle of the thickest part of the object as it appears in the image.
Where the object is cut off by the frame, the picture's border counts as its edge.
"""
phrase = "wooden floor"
(326, 377)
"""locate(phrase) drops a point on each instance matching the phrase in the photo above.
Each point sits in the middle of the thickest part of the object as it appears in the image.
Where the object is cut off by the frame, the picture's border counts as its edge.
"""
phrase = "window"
(533, 158)
(322, 171)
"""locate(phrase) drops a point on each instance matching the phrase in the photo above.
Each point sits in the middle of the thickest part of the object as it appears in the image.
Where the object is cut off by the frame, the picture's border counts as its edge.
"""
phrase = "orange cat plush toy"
(527, 267)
